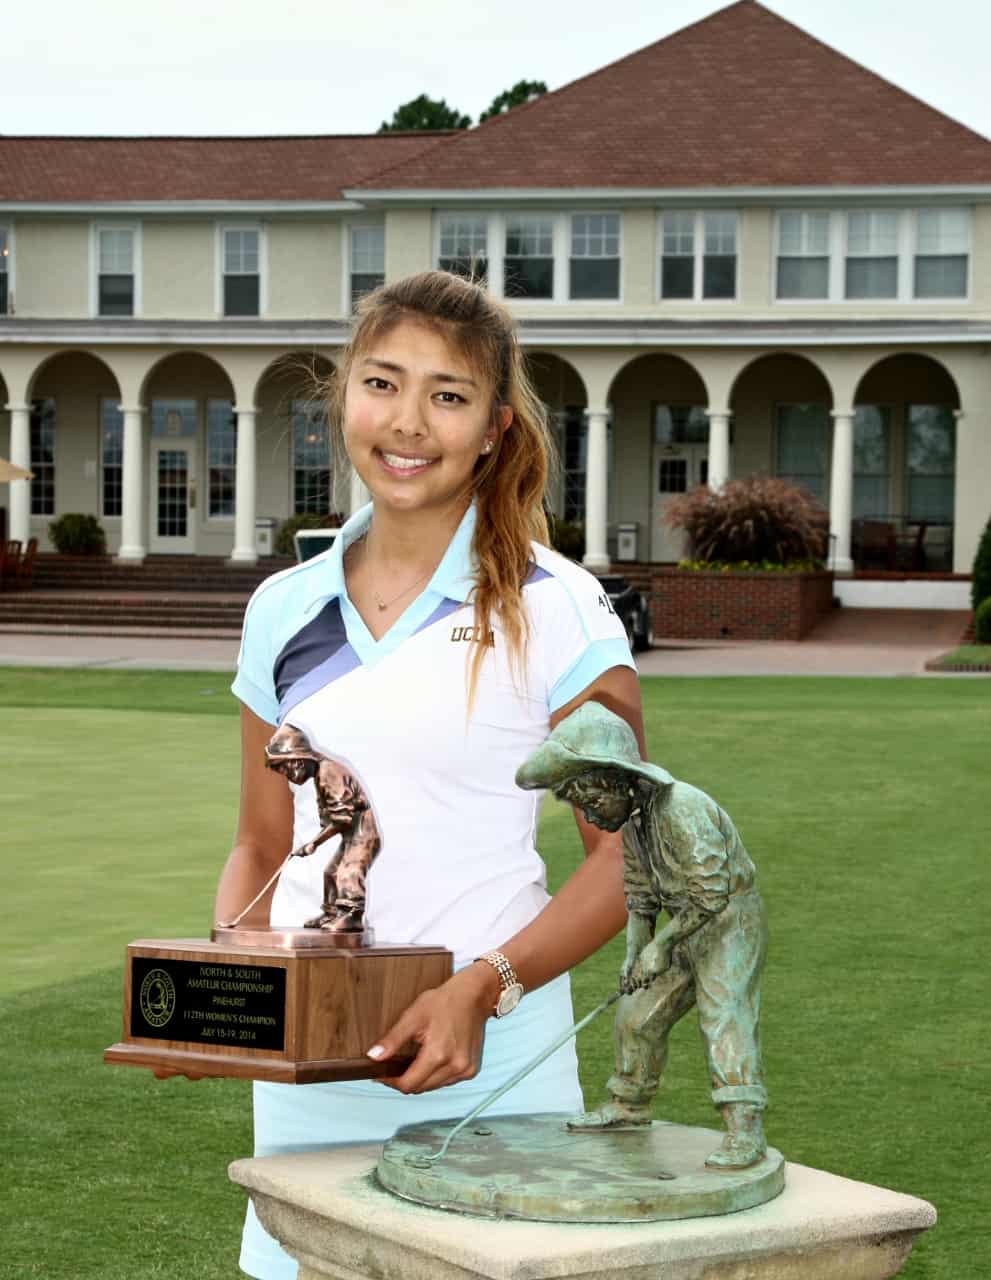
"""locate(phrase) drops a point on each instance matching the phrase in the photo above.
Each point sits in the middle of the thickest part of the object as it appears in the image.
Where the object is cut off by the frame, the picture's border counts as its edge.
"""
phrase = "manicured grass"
(862, 802)
(968, 655)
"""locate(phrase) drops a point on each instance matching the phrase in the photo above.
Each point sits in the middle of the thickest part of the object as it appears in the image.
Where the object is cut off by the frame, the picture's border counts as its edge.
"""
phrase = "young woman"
(430, 651)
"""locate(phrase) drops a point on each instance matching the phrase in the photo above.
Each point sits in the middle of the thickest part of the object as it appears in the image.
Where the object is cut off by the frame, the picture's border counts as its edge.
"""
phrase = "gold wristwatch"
(512, 988)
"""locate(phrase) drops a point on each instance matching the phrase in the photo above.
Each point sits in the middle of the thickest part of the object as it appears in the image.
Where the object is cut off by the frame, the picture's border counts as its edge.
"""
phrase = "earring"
(487, 447)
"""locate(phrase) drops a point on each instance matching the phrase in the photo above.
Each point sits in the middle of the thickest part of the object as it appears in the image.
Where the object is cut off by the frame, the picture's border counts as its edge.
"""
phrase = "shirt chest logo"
(472, 635)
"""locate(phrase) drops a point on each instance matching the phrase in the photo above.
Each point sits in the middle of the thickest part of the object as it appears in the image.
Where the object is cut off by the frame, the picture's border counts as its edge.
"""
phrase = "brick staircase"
(173, 595)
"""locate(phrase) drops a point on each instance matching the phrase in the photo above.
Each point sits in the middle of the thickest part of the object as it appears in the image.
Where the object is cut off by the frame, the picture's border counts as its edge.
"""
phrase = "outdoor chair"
(874, 544)
(10, 560)
(25, 569)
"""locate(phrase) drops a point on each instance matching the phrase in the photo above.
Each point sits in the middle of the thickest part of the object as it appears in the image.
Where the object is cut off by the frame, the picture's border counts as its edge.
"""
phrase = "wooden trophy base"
(291, 1005)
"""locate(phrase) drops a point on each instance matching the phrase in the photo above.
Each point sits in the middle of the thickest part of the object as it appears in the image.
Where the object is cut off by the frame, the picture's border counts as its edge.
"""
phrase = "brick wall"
(690, 605)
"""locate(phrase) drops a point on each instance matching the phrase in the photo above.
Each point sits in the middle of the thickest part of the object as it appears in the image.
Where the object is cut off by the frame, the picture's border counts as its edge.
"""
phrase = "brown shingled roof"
(71, 170)
(742, 98)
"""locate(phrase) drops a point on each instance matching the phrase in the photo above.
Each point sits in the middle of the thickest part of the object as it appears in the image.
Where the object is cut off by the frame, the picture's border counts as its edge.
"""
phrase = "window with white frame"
(942, 250)
(111, 458)
(242, 271)
(802, 446)
(871, 462)
(221, 456)
(115, 271)
(803, 255)
(871, 254)
(594, 263)
(930, 462)
(367, 260)
(4, 271)
(528, 265)
(698, 255)
(43, 457)
(464, 245)
(311, 469)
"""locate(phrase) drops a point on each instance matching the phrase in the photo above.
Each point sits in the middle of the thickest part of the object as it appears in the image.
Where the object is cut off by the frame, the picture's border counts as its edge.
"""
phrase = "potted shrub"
(756, 571)
(75, 534)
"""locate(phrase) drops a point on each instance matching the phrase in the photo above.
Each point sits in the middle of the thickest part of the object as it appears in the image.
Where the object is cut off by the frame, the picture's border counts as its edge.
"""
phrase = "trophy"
(290, 1005)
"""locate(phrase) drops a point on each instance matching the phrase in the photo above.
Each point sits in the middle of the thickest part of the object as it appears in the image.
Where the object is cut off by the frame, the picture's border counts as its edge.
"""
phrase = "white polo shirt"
(458, 865)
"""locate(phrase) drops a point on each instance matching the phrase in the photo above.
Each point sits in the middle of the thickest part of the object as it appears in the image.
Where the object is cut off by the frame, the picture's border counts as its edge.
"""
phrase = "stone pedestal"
(328, 1211)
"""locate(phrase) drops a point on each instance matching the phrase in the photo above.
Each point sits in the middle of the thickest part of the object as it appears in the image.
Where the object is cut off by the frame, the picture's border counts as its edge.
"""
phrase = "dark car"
(631, 607)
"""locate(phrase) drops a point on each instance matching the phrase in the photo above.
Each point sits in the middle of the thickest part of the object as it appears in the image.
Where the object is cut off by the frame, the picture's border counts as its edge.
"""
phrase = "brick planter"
(688, 604)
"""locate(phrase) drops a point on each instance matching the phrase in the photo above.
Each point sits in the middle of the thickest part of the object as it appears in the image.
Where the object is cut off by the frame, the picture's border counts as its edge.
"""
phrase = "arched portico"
(906, 408)
(661, 433)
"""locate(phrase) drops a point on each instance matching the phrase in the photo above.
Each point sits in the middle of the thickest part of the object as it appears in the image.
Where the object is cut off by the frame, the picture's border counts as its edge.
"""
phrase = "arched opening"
(904, 481)
(781, 406)
(660, 448)
(4, 453)
(192, 455)
(562, 390)
(76, 450)
(302, 470)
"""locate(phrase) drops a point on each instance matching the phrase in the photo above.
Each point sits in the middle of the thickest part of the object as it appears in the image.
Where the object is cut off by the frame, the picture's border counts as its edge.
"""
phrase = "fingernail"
(376, 1051)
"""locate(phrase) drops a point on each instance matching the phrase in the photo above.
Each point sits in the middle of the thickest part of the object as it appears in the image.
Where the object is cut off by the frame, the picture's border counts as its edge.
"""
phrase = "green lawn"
(863, 803)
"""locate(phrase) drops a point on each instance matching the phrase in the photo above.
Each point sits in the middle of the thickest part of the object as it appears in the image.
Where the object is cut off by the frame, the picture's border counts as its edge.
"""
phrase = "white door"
(676, 469)
(173, 497)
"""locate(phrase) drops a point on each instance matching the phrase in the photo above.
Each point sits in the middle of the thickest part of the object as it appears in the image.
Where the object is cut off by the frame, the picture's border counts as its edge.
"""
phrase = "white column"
(718, 448)
(20, 456)
(132, 520)
(244, 489)
(359, 492)
(841, 491)
(596, 492)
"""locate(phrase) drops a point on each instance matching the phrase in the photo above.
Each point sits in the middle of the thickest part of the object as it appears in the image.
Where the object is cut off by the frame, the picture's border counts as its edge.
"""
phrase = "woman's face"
(416, 420)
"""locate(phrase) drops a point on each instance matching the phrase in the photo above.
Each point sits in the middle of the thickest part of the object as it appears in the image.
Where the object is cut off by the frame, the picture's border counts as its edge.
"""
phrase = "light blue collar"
(453, 579)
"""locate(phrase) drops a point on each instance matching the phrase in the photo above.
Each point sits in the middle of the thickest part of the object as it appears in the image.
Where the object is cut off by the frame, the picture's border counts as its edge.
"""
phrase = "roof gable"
(742, 98)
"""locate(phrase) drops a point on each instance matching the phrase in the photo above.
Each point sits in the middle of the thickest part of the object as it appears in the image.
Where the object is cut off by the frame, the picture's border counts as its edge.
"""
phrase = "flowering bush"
(758, 522)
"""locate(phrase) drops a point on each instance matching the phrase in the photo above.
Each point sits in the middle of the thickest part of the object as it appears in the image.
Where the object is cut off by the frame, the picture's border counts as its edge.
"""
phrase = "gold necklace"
(384, 604)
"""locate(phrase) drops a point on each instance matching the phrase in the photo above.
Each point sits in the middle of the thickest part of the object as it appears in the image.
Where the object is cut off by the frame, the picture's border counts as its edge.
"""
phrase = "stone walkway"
(853, 642)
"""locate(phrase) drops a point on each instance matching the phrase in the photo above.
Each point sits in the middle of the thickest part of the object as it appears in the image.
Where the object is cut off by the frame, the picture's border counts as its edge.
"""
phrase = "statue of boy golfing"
(682, 855)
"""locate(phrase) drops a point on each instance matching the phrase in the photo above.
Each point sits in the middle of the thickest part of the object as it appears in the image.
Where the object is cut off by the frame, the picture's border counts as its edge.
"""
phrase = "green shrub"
(77, 535)
(567, 536)
(982, 622)
(750, 566)
(980, 587)
(760, 519)
(284, 545)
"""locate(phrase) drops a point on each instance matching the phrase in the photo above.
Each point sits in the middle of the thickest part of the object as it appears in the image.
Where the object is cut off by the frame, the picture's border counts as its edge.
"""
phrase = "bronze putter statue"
(344, 810)
(682, 855)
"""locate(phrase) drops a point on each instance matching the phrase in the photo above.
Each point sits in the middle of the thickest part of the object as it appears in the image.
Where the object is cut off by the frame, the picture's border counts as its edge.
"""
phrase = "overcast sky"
(342, 66)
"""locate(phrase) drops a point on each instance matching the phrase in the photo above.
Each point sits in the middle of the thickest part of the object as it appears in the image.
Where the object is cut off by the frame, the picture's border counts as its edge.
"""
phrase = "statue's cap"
(592, 737)
(289, 743)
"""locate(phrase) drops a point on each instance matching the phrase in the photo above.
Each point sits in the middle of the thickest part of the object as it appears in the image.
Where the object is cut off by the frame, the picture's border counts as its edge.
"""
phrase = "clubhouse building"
(732, 252)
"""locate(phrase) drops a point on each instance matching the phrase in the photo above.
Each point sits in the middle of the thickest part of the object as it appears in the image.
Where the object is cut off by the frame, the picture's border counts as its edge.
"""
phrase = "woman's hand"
(447, 1026)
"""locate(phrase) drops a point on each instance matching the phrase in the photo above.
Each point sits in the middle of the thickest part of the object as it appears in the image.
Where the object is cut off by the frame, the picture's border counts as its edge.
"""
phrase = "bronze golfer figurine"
(345, 810)
(682, 855)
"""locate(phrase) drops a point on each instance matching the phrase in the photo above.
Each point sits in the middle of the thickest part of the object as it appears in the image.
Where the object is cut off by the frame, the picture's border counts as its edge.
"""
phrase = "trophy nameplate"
(293, 1005)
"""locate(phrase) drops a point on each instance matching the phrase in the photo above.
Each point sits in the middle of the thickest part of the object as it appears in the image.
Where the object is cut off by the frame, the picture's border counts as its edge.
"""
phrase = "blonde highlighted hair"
(509, 483)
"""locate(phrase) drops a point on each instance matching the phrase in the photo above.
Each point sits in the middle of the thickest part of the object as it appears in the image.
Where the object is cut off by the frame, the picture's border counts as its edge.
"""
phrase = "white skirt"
(308, 1117)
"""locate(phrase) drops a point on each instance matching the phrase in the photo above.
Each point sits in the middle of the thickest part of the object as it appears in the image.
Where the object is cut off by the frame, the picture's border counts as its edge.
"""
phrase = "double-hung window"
(367, 260)
(871, 462)
(115, 254)
(931, 462)
(594, 262)
(242, 271)
(698, 255)
(464, 241)
(311, 467)
(111, 457)
(43, 457)
(803, 255)
(802, 446)
(942, 249)
(221, 457)
(4, 271)
(871, 254)
(528, 265)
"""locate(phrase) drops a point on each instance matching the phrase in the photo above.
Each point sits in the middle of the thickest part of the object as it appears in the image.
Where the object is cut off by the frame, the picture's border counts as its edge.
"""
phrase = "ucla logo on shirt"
(473, 635)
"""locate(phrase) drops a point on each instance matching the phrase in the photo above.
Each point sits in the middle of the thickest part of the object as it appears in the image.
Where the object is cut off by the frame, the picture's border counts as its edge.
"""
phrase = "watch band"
(511, 988)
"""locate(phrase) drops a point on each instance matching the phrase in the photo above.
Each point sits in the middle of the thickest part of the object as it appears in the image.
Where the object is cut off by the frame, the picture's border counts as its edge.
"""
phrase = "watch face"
(509, 999)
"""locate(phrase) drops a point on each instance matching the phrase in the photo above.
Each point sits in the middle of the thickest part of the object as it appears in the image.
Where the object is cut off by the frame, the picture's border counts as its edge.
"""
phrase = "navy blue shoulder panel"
(315, 655)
